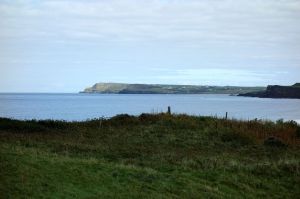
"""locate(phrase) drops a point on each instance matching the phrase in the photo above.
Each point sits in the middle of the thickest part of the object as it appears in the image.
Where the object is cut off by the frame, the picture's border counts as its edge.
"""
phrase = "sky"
(68, 45)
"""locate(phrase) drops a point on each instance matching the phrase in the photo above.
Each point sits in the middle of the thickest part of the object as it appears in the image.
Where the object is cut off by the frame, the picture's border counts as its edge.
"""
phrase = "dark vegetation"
(276, 91)
(149, 156)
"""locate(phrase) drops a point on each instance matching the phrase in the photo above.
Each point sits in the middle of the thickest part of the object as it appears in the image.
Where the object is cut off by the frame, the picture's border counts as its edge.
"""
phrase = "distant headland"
(122, 88)
(276, 91)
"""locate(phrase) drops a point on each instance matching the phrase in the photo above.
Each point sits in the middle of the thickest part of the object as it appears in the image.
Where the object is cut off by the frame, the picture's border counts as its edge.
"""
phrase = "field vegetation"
(149, 156)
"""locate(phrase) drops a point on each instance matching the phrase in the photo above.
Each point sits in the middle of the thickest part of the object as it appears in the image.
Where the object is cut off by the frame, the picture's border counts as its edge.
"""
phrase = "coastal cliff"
(276, 91)
(120, 88)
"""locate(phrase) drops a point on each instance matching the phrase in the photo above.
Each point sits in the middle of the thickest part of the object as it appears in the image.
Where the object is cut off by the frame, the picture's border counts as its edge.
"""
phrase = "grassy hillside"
(150, 156)
(120, 88)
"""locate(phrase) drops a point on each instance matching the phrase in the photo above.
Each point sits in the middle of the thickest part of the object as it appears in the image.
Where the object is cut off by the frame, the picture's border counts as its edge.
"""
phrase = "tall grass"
(149, 156)
(259, 130)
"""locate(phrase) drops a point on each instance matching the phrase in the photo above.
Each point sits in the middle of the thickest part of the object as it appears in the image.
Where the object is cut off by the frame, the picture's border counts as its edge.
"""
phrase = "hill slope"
(277, 92)
(150, 156)
(120, 88)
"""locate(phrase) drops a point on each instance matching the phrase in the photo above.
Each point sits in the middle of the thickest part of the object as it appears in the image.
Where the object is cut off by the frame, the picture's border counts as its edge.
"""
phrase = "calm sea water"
(87, 106)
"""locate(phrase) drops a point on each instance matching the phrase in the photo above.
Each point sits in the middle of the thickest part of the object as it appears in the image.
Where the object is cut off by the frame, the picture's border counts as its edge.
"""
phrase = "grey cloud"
(259, 21)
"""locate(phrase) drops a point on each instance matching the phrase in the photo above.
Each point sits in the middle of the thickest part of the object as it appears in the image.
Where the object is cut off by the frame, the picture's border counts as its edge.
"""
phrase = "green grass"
(150, 156)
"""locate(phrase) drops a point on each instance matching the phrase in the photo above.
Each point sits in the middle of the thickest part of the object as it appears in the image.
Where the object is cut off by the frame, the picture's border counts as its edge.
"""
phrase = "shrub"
(274, 142)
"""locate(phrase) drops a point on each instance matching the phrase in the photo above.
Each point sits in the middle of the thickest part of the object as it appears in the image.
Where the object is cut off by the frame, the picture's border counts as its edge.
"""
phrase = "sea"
(80, 107)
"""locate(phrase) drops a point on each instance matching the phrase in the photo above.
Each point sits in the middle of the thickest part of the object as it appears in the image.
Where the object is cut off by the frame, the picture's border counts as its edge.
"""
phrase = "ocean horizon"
(80, 107)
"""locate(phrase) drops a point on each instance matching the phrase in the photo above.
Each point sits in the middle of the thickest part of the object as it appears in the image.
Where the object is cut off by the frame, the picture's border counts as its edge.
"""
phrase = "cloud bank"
(221, 37)
(266, 21)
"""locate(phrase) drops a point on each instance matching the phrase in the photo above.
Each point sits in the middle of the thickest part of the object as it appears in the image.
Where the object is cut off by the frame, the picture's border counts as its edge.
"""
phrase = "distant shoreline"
(277, 92)
(123, 88)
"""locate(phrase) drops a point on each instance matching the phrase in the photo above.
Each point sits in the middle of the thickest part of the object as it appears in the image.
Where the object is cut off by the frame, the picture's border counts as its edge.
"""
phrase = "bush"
(21, 126)
(274, 142)
(298, 132)
(123, 119)
(235, 139)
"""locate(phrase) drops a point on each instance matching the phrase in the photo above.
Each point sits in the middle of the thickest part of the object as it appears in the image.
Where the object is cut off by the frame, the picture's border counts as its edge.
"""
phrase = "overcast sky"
(67, 45)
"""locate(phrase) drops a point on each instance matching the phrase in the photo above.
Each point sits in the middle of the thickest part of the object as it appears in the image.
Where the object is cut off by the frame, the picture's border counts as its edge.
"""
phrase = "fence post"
(226, 115)
(169, 110)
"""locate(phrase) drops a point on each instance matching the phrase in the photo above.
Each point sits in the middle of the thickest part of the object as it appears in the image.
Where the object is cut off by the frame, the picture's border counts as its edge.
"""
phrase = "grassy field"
(149, 156)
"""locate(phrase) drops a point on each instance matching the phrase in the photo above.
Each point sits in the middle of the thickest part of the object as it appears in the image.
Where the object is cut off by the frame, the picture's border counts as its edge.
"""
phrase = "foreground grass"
(150, 156)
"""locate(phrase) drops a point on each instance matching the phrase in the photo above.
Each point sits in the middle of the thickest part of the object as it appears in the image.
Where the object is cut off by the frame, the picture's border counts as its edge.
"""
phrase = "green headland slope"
(120, 88)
